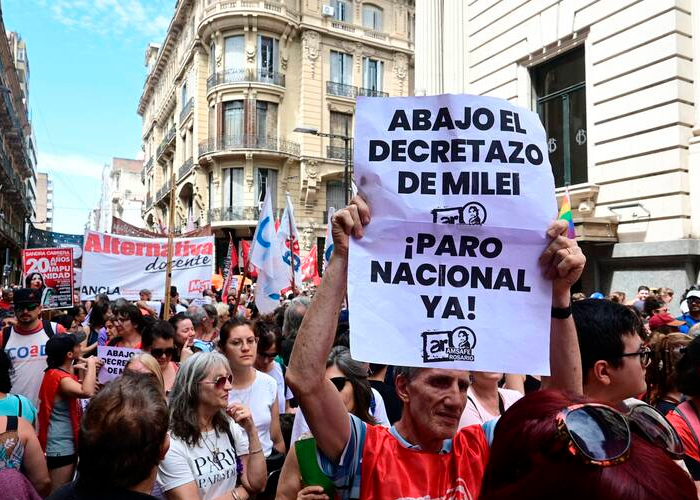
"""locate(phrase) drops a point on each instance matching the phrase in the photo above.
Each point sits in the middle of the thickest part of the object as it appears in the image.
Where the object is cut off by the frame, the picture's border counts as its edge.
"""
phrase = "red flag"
(309, 265)
(245, 250)
(230, 265)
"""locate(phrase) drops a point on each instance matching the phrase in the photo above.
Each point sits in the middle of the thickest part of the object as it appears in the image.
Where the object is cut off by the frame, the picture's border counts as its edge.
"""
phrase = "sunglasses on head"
(168, 351)
(26, 307)
(602, 436)
(220, 382)
(339, 382)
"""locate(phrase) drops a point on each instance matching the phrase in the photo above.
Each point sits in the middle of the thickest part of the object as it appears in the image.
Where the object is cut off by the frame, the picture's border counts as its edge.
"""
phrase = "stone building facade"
(617, 85)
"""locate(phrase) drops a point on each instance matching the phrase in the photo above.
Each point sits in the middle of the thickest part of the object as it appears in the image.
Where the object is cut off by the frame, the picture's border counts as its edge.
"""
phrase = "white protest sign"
(115, 359)
(461, 193)
(121, 266)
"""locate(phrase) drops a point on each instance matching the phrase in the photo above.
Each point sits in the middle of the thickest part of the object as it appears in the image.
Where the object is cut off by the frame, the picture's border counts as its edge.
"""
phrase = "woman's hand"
(312, 493)
(242, 416)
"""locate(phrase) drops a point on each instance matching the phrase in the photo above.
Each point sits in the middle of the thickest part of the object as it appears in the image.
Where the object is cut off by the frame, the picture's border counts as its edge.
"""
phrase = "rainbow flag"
(566, 214)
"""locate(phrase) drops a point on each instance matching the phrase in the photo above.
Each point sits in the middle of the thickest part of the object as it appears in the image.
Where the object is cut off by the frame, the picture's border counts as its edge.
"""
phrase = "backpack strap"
(12, 423)
(47, 328)
(689, 414)
(19, 404)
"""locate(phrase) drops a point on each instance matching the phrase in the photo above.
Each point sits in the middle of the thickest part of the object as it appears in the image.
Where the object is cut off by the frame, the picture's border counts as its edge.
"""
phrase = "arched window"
(372, 17)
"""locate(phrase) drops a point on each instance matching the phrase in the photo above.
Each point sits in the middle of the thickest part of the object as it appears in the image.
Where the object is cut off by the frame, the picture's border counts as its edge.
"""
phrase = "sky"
(86, 62)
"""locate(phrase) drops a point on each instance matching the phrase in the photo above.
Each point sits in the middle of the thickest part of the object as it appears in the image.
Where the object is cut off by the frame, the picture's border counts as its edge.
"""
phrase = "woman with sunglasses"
(254, 389)
(214, 450)
(159, 341)
(269, 337)
(550, 445)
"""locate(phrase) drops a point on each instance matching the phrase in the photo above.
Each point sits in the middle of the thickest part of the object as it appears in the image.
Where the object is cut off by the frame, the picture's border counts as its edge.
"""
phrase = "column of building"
(694, 144)
(429, 47)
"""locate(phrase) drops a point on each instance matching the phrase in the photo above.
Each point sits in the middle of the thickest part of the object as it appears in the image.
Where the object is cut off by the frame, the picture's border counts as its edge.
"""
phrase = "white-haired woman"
(215, 453)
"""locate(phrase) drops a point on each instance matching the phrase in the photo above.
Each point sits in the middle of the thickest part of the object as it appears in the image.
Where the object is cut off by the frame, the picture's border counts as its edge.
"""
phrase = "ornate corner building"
(232, 81)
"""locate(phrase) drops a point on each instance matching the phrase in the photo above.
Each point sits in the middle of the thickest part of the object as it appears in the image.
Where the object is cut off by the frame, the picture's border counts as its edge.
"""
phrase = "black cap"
(59, 345)
(27, 296)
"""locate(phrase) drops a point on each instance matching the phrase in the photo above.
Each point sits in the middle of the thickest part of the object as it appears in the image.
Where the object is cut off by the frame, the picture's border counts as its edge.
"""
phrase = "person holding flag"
(265, 256)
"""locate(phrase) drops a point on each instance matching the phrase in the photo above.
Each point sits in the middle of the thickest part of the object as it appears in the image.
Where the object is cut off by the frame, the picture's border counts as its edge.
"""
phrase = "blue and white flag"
(265, 256)
(288, 238)
(328, 251)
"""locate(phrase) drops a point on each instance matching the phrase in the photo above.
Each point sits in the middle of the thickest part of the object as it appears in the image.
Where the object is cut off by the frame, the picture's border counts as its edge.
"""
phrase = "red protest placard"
(50, 270)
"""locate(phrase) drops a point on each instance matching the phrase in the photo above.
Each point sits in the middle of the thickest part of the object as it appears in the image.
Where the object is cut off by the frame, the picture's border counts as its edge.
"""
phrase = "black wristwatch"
(561, 312)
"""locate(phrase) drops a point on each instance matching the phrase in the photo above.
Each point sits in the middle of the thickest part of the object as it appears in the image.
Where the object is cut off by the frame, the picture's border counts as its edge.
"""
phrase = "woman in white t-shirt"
(485, 400)
(212, 444)
(255, 390)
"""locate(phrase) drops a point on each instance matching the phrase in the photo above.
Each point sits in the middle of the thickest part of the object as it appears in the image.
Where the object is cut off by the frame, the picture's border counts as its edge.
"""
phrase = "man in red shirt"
(25, 343)
(423, 455)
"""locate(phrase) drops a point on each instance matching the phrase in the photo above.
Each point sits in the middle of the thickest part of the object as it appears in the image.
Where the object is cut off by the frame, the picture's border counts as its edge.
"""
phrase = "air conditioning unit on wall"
(328, 10)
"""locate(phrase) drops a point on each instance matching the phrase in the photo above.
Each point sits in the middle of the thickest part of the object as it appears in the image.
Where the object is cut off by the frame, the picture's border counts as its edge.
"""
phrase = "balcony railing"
(10, 232)
(186, 109)
(167, 140)
(371, 92)
(216, 6)
(230, 143)
(163, 191)
(233, 214)
(149, 164)
(244, 76)
(337, 153)
(185, 168)
(340, 89)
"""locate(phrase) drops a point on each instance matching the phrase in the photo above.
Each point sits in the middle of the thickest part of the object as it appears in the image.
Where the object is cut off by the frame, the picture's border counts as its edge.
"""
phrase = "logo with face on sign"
(455, 345)
(472, 214)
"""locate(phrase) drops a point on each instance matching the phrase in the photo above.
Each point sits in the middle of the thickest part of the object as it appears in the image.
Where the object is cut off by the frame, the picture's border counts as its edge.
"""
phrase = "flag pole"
(242, 284)
(291, 244)
(171, 235)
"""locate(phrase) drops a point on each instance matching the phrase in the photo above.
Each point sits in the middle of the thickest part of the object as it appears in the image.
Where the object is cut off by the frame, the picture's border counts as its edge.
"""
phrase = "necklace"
(214, 450)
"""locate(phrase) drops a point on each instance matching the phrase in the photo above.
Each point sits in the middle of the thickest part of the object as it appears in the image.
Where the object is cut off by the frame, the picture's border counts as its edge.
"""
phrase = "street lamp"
(346, 141)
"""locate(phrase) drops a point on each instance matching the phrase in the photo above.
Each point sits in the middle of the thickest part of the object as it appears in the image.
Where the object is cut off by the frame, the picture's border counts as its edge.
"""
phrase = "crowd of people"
(222, 402)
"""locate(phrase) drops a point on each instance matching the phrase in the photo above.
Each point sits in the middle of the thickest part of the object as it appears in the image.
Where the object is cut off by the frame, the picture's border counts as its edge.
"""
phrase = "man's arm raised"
(563, 262)
(318, 398)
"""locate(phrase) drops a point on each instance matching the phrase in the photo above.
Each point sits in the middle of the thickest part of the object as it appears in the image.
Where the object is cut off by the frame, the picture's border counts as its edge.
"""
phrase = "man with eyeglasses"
(25, 343)
(613, 355)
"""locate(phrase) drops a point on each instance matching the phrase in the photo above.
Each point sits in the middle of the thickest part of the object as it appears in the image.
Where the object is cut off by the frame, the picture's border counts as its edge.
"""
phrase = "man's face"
(8, 295)
(628, 379)
(27, 314)
(145, 296)
(694, 305)
(436, 400)
(642, 294)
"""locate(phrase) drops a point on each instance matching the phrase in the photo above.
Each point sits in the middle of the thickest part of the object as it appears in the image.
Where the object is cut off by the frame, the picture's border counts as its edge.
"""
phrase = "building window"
(234, 58)
(341, 124)
(372, 74)
(212, 121)
(268, 54)
(266, 180)
(183, 96)
(560, 90)
(233, 187)
(265, 119)
(372, 17)
(335, 195)
(341, 68)
(342, 10)
(233, 119)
